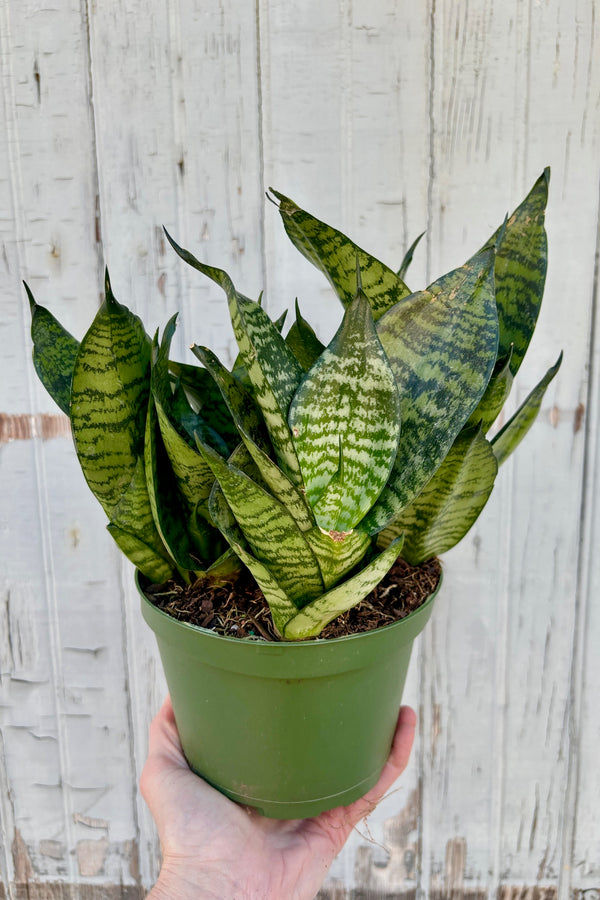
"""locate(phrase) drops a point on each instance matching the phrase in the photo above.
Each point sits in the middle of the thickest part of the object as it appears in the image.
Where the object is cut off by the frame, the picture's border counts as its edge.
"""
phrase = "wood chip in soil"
(239, 609)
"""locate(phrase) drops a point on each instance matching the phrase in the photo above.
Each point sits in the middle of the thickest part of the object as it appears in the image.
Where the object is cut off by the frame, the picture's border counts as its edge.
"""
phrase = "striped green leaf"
(303, 341)
(282, 608)
(193, 475)
(168, 506)
(335, 255)
(141, 555)
(109, 399)
(521, 263)
(408, 256)
(345, 419)
(54, 353)
(271, 365)
(313, 618)
(489, 407)
(450, 503)
(271, 532)
(337, 555)
(511, 435)
(442, 345)
(133, 513)
(255, 438)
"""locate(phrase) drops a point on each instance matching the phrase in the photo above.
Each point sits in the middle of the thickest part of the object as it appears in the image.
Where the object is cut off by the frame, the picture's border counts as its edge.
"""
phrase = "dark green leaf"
(408, 256)
(488, 409)
(54, 353)
(511, 435)
(521, 263)
(303, 342)
(442, 346)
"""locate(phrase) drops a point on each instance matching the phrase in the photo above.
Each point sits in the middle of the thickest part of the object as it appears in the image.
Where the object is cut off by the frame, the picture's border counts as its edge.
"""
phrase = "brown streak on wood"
(21, 860)
(456, 860)
(578, 419)
(21, 427)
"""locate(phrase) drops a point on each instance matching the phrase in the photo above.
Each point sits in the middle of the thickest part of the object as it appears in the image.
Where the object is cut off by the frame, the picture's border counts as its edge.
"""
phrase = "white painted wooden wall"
(385, 118)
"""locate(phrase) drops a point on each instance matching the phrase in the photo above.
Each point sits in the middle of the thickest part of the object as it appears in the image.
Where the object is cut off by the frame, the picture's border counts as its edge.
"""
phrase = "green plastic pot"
(291, 728)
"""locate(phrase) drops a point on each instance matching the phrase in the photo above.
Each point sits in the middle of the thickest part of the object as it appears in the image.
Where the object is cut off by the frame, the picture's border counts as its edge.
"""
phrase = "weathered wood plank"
(63, 720)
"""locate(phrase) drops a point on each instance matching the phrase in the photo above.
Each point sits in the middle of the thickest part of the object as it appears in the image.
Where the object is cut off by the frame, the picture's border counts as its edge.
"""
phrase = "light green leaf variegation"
(337, 555)
(54, 353)
(345, 419)
(520, 272)
(109, 399)
(141, 555)
(193, 475)
(511, 435)
(133, 514)
(450, 503)
(271, 365)
(313, 618)
(272, 534)
(442, 345)
(335, 255)
(255, 438)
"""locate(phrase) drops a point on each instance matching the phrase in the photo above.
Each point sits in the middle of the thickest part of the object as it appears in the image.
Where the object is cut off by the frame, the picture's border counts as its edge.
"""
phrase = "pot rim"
(308, 642)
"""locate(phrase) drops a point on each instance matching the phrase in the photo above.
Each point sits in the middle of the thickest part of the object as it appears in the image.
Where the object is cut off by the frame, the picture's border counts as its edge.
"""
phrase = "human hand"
(215, 848)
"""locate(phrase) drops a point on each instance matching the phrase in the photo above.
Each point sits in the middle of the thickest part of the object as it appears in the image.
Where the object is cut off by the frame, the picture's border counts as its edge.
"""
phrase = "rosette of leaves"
(316, 467)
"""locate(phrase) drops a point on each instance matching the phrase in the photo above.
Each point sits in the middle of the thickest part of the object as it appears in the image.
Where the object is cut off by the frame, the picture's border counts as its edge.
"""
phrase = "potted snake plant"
(313, 468)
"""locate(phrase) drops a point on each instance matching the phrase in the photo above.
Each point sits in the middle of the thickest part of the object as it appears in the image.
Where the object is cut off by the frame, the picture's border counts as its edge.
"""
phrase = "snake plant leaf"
(442, 346)
(133, 513)
(511, 435)
(54, 353)
(303, 341)
(521, 263)
(253, 433)
(488, 409)
(109, 398)
(408, 256)
(188, 422)
(346, 414)
(334, 254)
(143, 557)
(337, 555)
(199, 385)
(271, 532)
(450, 503)
(313, 617)
(168, 506)
(271, 365)
(282, 608)
(193, 475)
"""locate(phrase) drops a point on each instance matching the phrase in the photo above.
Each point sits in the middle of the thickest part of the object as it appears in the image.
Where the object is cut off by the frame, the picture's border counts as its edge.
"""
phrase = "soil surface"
(239, 609)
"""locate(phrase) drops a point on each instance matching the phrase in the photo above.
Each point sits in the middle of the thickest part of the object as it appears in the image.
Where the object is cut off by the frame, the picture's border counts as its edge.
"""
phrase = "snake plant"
(314, 466)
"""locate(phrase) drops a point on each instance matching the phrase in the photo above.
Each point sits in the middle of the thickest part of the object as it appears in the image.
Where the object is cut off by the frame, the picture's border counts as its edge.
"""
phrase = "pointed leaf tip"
(30, 297)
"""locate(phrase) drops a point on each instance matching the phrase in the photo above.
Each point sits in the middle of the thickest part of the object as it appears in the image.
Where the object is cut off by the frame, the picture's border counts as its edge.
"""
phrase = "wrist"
(177, 883)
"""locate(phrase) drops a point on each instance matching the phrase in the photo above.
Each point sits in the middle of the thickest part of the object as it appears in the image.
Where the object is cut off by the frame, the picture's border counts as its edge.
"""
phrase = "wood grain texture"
(384, 120)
